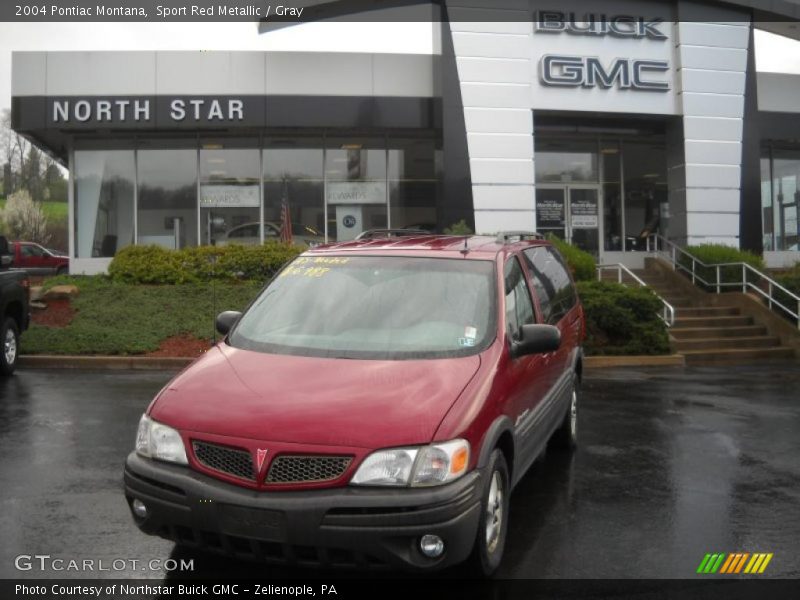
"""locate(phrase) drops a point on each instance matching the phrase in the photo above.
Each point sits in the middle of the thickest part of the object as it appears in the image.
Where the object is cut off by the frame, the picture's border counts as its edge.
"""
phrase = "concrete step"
(725, 343)
(736, 356)
(688, 333)
(685, 301)
(692, 322)
(706, 311)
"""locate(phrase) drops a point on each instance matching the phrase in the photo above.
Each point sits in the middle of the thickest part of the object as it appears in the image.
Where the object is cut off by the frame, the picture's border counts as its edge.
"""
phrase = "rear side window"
(552, 283)
(519, 308)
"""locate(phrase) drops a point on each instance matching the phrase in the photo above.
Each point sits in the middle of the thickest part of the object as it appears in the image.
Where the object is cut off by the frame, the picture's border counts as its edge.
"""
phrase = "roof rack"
(370, 234)
(505, 237)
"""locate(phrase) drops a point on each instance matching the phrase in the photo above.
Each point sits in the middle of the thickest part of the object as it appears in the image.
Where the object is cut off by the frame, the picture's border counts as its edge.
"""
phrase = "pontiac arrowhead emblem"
(260, 456)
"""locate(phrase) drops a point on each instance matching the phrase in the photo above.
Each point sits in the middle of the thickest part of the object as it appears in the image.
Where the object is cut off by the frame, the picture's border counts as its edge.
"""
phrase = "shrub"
(712, 254)
(157, 265)
(622, 320)
(581, 263)
(458, 228)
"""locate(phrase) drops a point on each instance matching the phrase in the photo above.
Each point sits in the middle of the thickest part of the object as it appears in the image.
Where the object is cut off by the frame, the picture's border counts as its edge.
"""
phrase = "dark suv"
(374, 405)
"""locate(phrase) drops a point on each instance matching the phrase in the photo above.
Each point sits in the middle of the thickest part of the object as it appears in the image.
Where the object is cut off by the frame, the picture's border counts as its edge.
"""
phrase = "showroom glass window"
(230, 192)
(356, 188)
(646, 194)
(167, 203)
(412, 180)
(782, 208)
(104, 201)
(293, 172)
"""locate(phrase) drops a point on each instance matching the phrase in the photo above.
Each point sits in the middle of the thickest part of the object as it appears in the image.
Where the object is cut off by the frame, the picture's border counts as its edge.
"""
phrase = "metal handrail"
(665, 248)
(668, 314)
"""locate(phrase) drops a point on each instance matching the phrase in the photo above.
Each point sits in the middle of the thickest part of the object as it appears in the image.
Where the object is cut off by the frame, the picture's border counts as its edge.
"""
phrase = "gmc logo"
(589, 72)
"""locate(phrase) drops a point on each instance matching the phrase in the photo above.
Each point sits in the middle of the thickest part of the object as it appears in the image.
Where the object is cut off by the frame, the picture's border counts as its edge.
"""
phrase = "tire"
(9, 346)
(61, 271)
(566, 436)
(490, 542)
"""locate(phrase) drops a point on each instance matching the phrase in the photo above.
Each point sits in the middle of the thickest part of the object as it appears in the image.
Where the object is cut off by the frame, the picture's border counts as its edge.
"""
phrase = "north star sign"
(138, 110)
(559, 70)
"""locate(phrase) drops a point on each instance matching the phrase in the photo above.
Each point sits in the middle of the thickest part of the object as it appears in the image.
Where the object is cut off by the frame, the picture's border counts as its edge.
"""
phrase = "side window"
(537, 259)
(519, 308)
(553, 285)
(32, 251)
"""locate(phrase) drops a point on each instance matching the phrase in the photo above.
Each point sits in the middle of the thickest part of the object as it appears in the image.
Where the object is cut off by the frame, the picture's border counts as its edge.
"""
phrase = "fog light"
(139, 509)
(431, 546)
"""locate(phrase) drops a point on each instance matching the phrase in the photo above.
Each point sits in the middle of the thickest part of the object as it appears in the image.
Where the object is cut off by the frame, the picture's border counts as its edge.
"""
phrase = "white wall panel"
(711, 58)
(489, 170)
(489, 45)
(713, 105)
(720, 129)
(499, 120)
(29, 73)
(716, 153)
(101, 73)
(500, 145)
(492, 221)
(717, 82)
(497, 197)
(713, 34)
(210, 73)
(494, 70)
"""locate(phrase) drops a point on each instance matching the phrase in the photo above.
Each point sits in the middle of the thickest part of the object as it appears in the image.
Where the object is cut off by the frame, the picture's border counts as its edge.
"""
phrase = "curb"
(610, 362)
(153, 363)
(159, 363)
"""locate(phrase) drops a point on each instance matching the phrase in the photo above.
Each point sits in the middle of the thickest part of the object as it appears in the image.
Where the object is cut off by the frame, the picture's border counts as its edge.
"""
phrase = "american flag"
(286, 219)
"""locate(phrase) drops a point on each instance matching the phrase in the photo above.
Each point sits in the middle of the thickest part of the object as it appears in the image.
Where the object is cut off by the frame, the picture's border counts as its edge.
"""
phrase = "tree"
(24, 219)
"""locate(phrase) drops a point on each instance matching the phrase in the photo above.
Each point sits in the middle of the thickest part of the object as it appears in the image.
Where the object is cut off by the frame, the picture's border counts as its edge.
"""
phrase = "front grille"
(233, 461)
(307, 469)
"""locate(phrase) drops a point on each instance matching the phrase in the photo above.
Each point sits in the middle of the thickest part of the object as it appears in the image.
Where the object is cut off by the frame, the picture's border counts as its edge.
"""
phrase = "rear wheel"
(9, 338)
(566, 436)
(493, 525)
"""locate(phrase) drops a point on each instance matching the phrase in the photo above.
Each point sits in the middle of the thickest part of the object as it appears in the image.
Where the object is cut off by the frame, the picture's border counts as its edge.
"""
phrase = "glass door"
(571, 212)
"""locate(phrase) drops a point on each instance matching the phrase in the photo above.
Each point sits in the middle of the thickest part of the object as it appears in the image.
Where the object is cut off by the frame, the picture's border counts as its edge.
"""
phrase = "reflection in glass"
(104, 186)
(293, 170)
(230, 195)
(785, 199)
(167, 198)
(566, 161)
(645, 191)
(412, 184)
(356, 192)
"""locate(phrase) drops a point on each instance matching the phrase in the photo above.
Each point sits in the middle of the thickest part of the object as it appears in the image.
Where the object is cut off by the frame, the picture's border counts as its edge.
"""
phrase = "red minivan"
(374, 406)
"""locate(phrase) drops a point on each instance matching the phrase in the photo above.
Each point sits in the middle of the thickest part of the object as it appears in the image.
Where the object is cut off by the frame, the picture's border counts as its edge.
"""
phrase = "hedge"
(622, 320)
(581, 263)
(157, 265)
(712, 254)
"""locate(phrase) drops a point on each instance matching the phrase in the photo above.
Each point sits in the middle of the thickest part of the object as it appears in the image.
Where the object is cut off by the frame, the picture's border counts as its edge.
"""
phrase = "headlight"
(429, 465)
(155, 440)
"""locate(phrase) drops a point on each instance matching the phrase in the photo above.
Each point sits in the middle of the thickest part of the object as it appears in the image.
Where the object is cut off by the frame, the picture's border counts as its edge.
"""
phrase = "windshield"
(373, 308)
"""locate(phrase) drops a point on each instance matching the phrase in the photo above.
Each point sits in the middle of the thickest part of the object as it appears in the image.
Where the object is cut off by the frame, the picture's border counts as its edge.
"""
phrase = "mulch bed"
(181, 346)
(59, 313)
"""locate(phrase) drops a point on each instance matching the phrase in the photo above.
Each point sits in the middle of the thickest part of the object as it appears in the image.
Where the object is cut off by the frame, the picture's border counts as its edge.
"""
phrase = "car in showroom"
(38, 260)
(303, 235)
(374, 406)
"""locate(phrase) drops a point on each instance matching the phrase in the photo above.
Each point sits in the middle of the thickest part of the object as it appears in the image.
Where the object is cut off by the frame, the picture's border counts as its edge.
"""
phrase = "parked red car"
(375, 405)
(38, 260)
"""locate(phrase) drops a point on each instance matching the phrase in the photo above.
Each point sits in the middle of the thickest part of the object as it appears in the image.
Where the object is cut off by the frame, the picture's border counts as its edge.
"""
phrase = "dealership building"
(601, 122)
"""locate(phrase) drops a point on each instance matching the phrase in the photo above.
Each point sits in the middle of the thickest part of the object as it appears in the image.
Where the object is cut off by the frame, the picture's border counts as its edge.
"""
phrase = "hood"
(309, 400)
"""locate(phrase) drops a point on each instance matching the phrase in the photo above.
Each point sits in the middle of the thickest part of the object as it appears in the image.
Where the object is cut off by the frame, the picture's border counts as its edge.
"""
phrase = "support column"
(494, 72)
(705, 190)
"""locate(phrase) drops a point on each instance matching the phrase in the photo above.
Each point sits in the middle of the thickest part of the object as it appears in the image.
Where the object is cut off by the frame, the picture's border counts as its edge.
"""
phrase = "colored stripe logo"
(734, 563)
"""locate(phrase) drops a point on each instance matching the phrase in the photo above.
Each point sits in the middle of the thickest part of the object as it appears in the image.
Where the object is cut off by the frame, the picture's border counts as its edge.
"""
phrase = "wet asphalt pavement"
(673, 463)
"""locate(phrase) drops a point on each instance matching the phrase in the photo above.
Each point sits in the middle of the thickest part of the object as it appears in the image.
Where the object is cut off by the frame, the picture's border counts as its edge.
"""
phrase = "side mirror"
(536, 339)
(226, 320)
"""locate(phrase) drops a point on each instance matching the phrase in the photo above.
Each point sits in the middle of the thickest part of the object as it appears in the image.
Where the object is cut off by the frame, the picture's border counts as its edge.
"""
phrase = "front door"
(572, 212)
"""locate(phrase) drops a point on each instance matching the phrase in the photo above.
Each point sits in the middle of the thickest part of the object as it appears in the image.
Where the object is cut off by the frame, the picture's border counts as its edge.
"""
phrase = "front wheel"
(493, 524)
(9, 337)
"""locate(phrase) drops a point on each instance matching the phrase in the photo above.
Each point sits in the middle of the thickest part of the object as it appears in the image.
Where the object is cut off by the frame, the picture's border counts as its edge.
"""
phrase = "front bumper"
(356, 527)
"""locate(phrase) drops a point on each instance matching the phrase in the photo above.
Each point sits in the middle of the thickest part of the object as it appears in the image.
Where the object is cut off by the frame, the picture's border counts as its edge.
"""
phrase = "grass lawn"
(120, 319)
(54, 211)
